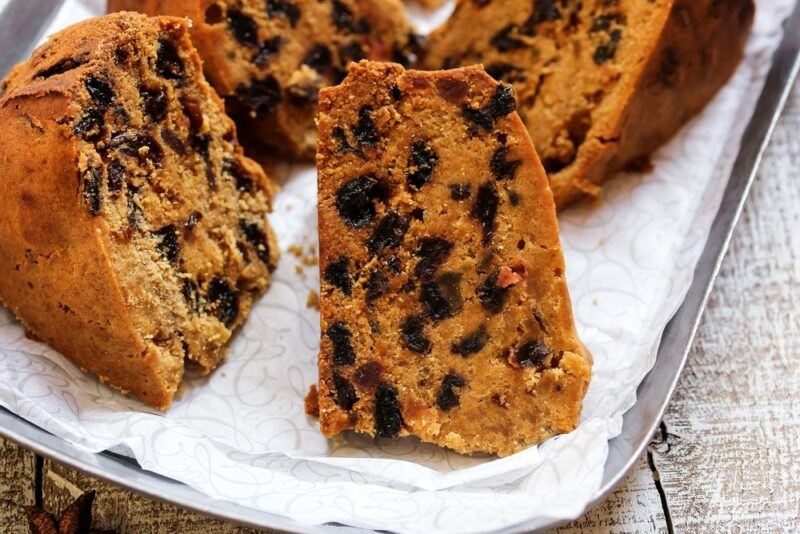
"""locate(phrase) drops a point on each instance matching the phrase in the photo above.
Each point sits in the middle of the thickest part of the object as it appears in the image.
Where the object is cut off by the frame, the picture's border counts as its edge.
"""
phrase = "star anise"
(76, 519)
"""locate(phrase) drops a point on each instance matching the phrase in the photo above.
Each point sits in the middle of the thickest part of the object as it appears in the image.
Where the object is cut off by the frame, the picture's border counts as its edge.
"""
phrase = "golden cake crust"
(601, 84)
(444, 310)
(270, 65)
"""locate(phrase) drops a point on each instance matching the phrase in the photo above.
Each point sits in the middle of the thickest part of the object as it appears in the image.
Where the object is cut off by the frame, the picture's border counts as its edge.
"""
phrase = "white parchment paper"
(241, 434)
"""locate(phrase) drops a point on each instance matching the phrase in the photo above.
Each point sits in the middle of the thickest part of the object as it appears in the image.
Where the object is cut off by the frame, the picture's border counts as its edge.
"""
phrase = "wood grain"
(728, 454)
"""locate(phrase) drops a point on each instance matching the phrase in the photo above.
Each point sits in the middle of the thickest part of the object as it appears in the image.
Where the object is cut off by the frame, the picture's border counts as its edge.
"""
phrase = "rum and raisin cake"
(269, 58)
(134, 235)
(600, 83)
(444, 307)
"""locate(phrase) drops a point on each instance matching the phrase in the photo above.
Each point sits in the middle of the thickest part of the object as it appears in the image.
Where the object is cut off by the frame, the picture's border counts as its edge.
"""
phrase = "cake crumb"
(312, 401)
(313, 300)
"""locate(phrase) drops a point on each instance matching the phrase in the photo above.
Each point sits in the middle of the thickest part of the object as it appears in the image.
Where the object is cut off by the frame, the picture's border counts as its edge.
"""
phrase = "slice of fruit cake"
(135, 234)
(445, 310)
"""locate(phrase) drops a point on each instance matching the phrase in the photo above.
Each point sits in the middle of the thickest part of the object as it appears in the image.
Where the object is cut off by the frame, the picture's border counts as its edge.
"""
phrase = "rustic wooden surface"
(727, 456)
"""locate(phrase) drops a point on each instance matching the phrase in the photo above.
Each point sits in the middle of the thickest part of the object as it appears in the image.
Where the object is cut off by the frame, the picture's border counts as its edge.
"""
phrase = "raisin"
(262, 96)
(448, 396)
(506, 72)
(173, 141)
(139, 145)
(408, 54)
(501, 167)
(242, 179)
(503, 101)
(337, 273)
(513, 197)
(352, 52)
(92, 178)
(243, 28)
(115, 176)
(343, 353)
(388, 233)
(544, 11)
(602, 23)
(504, 40)
(395, 93)
(62, 66)
(454, 90)
(155, 103)
(485, 209)
(460, 191)
(90, 125)
(432, 252)
(168, 63)
(191, 294)
(606, 51)
(471, 343)
(355, 200)
(344, 146)
(284, 8)
(223, 301)
(345, 392)
(479, 117)
(368, 375)
(421, 164)
(395, 265)
(442, 297)
(100, 92)
(319, 58)
(266, 50)
(492, 296)
(191, 222)
(255, 236)
(377, 284)
(418, 214)
(413, 335)
(388, 416)
(344, 20)
(168, 245)
(365, 132)
(532, 354)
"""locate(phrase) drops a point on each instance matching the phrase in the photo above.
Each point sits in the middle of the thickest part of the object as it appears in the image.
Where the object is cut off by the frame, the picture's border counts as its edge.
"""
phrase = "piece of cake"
(445, 311)
(134, 234)
(600, 83)
(269, 58)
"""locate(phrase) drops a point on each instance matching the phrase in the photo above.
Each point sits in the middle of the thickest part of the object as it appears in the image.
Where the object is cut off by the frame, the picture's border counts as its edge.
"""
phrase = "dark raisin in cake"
(135, 233)
(445, 312)
(269, 58)
(600, 83)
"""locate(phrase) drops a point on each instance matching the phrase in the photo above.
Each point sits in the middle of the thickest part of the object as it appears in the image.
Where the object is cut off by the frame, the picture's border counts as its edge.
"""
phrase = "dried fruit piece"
(365, 132)
(223, 301)
(284, 8)
(388, 233)
(168, 62)
(345, 392)
(100, 91)
(460, 191)
(442, 297)
(448, 396)
(421, 164)
(491, 295)
(155, 103)
(92, 179)
(377, 284)
(472, 343)
(388, 416)
(343, 353)
(243, 28)
(413, 335)
(258, 239)
(168, 242)
(432, 252)
(261, 97)
(533, 354)
(338, 275)
(485, 209)
(355, 200)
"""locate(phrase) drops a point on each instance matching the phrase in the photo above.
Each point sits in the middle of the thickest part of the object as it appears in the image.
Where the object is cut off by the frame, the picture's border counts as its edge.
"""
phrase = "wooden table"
(727, 456)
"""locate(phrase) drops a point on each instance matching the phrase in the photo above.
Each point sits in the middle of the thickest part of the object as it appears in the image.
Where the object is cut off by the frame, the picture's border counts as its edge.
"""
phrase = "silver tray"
(22, 23)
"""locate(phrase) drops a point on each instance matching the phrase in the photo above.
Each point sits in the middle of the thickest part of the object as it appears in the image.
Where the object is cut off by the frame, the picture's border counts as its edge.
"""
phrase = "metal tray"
(653, 394)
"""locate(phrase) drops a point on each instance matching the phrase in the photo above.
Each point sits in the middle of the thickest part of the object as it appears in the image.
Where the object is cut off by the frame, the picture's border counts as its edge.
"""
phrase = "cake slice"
(269, 58)
(600, 83)
(445, 311)
(134, 234)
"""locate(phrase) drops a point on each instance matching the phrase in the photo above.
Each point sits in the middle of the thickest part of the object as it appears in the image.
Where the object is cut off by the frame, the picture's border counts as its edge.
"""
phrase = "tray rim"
(639, 422)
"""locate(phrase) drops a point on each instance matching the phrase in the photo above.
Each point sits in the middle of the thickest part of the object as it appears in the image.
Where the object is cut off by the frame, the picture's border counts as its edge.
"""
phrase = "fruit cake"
(269, 58)
(134, 235)
(444, 307)
(600, 83)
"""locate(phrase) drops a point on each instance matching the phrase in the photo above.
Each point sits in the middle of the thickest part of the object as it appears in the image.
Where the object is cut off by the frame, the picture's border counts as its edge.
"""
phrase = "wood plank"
(17, 486)
(733, 455)
(123, 510)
